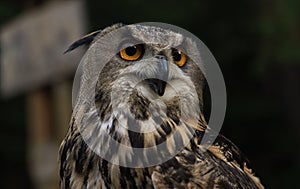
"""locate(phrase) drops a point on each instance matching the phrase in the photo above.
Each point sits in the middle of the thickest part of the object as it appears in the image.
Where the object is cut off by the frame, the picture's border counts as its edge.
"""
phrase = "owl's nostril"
(157, 85)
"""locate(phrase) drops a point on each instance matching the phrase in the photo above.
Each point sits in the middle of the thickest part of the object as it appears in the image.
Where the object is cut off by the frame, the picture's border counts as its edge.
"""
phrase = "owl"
(138, 121)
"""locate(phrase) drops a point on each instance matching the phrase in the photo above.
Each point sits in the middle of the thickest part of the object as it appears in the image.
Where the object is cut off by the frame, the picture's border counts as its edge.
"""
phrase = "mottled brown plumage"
(172, 106)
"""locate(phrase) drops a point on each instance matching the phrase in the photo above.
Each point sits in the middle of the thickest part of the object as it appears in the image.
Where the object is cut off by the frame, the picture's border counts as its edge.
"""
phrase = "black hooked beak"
(159, 83)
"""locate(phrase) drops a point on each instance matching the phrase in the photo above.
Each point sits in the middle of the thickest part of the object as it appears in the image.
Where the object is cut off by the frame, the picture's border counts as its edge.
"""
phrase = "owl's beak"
(158, 84)
(163, 66)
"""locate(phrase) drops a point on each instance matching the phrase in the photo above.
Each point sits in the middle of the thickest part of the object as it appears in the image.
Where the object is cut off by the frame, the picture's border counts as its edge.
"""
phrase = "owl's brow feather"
(83, 41)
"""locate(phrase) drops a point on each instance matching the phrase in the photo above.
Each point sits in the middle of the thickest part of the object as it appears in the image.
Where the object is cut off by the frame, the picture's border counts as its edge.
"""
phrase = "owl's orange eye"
(132, 53)
(179, 57)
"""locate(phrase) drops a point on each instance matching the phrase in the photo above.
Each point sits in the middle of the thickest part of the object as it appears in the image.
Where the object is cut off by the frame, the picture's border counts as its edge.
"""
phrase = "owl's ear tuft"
(83, 41)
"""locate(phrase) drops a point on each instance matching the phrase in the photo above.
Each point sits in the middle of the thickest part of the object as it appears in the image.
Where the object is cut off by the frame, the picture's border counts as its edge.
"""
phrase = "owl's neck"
(107, 138)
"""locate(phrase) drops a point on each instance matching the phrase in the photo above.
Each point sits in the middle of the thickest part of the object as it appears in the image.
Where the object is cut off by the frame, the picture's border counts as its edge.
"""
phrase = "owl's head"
(144, 77)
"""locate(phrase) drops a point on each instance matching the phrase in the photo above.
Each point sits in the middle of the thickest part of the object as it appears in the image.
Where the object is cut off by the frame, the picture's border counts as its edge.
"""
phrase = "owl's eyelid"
(180, 48)
(128, 43)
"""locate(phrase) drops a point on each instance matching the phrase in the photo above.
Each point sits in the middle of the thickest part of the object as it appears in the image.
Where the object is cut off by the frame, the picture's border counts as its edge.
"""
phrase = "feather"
(87, 39)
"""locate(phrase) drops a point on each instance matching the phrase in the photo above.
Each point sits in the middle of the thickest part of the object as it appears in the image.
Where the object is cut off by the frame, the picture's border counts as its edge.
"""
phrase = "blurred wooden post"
(49, 112)
(32, 57)
(40, 121)
(42, 147)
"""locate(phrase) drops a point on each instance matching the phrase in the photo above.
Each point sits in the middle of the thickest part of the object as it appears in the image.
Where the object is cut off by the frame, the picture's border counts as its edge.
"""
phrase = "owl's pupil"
(177, 56)
(130, 51)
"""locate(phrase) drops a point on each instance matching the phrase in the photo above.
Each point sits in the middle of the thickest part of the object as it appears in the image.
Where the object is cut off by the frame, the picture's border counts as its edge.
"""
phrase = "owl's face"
(153, 74)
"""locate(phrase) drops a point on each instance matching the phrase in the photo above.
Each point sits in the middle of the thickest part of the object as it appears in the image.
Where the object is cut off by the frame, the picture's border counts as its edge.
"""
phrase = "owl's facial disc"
(152, 82)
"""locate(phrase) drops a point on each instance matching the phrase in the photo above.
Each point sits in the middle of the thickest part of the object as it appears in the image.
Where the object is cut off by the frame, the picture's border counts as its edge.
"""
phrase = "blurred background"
(256, 43)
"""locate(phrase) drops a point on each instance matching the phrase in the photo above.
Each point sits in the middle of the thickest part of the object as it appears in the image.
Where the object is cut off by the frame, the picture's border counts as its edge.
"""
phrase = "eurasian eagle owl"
(138, 117)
